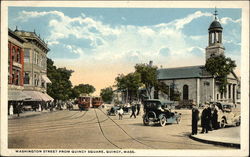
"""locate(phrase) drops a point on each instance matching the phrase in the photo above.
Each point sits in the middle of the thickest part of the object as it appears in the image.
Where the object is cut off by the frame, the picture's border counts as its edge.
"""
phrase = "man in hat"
(195, 119)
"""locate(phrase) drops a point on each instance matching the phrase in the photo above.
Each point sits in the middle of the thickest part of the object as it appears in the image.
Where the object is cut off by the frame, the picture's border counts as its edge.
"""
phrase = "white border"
(137, 4)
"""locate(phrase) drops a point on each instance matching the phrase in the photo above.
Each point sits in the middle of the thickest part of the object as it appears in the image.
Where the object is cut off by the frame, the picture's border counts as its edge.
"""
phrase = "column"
(227, 93)
(197, 91)
(213, 90)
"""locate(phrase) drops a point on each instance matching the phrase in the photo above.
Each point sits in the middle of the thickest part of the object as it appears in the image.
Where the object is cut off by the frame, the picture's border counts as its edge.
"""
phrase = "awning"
(49, 97)
(38, 96)
(46, 79)
(17, 95)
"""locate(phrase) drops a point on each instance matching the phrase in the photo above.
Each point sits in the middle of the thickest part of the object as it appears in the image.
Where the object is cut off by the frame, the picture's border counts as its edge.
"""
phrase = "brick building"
(35, 66)
(15, 67)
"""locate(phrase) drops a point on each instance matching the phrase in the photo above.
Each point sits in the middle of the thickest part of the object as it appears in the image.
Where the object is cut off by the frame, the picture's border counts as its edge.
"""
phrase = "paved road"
(93, 129)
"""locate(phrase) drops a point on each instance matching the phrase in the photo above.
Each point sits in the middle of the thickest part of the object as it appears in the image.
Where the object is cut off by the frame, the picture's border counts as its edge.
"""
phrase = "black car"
(157, 111)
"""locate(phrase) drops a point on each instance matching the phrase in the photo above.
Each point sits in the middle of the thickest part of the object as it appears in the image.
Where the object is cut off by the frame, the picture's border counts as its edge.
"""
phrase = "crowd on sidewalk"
(209, 118)
(38, 106)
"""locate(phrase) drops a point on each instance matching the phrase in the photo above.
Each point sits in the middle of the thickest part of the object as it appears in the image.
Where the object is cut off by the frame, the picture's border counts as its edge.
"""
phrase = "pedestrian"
(205, 120)
(120, 113)
(138, 107)
(195, 119)
(18, 107)
(209, 118)
(39, 107)
(11, 109)
(214, 117)
(133, 111)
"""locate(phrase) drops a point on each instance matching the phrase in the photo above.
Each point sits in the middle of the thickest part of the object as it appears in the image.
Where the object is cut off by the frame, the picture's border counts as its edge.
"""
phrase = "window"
(43, 84)
(13, 54)
(26, 78)
(185, 92)
(18, 56)
(27, 55)
(17, 78)
(13, 77)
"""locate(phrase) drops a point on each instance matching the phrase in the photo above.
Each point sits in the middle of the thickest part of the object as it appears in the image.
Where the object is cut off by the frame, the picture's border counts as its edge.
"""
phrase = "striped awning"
(46, 79)
(38, 96)
(17, 95)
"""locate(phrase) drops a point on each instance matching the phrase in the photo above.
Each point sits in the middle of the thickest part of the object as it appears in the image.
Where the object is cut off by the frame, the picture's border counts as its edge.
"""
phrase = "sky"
(100, 43)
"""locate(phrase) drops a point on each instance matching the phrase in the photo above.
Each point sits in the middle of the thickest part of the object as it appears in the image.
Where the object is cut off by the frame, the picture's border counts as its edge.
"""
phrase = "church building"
(194, 83)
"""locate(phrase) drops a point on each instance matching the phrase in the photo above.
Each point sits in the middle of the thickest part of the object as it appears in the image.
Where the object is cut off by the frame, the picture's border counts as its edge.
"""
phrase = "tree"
(220, 67)
(129, 83)
(148, 76)
(60, 87)
(107, 94)
(83, 89)
(174, 94)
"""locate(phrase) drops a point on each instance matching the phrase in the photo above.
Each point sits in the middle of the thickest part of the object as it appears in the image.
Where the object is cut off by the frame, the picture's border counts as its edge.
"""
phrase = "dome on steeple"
(215, 24)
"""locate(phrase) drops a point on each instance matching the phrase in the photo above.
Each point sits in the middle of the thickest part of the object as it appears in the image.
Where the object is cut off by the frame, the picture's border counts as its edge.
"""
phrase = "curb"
(234, 145)
(28, 116)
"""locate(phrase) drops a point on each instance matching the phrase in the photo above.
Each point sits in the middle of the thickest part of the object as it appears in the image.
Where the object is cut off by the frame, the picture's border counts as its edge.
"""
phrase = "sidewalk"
(28, 114)
(229, 137)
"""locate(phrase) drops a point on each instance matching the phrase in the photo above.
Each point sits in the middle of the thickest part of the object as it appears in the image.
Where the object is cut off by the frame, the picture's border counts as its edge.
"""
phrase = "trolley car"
(84, 102)
(96, 102)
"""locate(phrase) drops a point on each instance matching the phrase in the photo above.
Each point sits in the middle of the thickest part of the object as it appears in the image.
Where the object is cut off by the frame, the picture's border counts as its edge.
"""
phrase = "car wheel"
(163, 121)
(222, 123)
(145, 120)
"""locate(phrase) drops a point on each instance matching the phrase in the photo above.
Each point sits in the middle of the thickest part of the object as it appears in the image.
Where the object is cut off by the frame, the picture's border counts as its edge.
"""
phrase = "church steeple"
(215, 46)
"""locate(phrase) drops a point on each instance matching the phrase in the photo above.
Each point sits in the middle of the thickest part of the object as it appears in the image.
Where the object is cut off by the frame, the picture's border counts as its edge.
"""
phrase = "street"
(93, 129)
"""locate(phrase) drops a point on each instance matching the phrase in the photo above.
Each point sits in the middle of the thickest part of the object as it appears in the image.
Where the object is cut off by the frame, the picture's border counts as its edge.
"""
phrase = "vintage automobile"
(227, 115)
(157, 111)
(113, 110)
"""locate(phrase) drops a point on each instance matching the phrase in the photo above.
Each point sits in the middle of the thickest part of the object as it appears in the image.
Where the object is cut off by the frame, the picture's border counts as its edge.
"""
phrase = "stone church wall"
(180, 83)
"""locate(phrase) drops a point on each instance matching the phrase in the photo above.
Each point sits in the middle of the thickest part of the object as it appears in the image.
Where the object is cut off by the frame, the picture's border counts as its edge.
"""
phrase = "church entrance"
(185, 92)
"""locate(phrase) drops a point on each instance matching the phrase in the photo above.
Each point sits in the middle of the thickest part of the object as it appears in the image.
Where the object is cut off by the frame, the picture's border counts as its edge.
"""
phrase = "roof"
(215, 24)
(17, 37)
(183, 72)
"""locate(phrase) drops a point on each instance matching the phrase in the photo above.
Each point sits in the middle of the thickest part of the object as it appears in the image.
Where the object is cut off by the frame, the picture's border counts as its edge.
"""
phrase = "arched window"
(185, 92)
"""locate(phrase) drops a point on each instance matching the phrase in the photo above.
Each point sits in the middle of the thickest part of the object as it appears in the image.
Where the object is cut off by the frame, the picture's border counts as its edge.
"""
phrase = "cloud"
(226, 20)
(103, 46)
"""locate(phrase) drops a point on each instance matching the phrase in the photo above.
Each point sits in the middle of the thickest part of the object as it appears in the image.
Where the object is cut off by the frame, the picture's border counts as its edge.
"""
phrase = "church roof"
(182, 72)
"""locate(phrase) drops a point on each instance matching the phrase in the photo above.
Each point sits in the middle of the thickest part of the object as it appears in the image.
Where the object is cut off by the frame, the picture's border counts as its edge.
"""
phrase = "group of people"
(135, 106)
(17, 107)
(209, 118)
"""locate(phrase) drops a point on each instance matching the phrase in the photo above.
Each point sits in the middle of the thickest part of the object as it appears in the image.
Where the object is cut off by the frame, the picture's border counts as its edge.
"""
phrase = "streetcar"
(96, 102)
(84, 102)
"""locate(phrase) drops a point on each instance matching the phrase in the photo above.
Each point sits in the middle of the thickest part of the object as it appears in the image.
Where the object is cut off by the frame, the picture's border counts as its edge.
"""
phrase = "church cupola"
(215, 46)
(215, 31)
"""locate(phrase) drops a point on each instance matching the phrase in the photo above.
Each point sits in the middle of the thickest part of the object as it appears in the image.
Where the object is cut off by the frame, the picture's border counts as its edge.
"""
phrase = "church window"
(185, 92)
